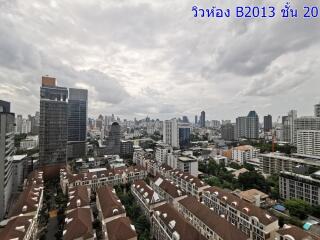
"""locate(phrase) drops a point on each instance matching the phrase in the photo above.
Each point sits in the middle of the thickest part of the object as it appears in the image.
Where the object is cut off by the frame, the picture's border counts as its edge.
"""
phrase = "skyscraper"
(6, 153)
(252, 131)
(113, 142)
(196, 119)
(184, 135)
(170, 133)
(53, 135)
(267, 123)
(247, 127)
(227, 132)
(77, 122)
(203, 119)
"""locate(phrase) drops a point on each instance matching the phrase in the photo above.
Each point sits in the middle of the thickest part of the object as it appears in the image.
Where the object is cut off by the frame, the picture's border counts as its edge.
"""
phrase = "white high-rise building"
(308, 142)
(170, 133)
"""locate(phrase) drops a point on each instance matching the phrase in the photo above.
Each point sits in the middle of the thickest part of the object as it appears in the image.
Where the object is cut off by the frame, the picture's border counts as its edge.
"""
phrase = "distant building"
(289, 127)
(305, 123)
(19, 170)
(184, 135)
(248, 127)
(227, 132)
(308, 142)
(126, 148)
(170, 133)
(203, 119)
(267, 123)
(113, 142)
(53, 134)
(6, 153)
(30, 142)
(317, 110)
(77, 122)
(244, 153)
(196, 119)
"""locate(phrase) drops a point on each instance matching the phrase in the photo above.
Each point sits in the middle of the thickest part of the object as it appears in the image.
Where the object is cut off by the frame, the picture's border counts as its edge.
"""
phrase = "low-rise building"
(146, 197)
(78, 197)
(109, 205)
(274, 163)
(168, 224)
(23, 215)
(120, 229)
(210, 224)
(254, 196)
(95, 178)
(30, 142)
(298, 186)
(244, 153)
(167, 190)
(187, 183)
(78, 225)
(255, 222)
(290, 232)
(19, 170)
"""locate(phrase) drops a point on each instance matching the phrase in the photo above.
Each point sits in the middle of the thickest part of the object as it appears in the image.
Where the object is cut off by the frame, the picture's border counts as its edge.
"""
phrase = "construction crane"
(274, 134)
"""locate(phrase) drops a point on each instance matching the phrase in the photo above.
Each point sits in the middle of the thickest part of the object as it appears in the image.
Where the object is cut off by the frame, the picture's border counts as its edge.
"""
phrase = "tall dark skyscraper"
(227, 132)
(113, 142)
(196, 119)
(6, 153)
(252, 131)
(267, 123)
(77, 122)
(184, 135)
(203, 119)
(53, 132)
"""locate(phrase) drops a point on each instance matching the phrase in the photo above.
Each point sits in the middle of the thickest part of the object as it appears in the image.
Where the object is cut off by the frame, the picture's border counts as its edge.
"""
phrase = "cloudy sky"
(151, 57)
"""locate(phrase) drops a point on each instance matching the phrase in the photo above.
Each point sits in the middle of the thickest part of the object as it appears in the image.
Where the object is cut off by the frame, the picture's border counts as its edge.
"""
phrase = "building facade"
(6, 152)
(267, 123)
(77, 122)
(53, 135)
(170, 133)
(308, 142)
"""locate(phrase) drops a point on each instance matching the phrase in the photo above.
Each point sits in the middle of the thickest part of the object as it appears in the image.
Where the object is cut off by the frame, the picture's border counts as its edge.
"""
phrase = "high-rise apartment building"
(196, 119)
(292, 116)
(53, 134)
(248, 127)
(227, 132)
(305, 123)
(308, 142)
(252, 131)
(203, 119)
(267, 123)
(77, 122)
(113, 142)
(184, 135)
(170, 133)
(6, 153)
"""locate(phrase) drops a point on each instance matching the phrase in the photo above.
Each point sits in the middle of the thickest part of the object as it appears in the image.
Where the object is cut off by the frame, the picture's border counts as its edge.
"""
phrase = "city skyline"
(158, 67)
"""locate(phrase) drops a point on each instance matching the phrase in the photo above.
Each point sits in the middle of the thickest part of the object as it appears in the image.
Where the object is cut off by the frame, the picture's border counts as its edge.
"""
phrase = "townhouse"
(207, 222)
(255, 222)
(146, 197)
(78, 225)
(109, 205)
(95, 178)
(23, 216)
(79, 218)
(188, 183)
(167, 190)
(168, 224)
(120, 229)
(290, 232)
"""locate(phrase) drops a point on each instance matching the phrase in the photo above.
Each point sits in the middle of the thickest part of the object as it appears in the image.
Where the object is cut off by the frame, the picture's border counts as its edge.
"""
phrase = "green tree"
(298, 208)
(253, 179)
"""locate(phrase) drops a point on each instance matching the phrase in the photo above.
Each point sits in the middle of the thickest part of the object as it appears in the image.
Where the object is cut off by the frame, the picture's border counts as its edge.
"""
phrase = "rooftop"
(215, 222)
(176, 222)
(120, 229)
(109, 202)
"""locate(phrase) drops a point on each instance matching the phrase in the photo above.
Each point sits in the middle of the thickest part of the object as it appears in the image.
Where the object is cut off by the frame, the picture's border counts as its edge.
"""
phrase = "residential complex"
(244, 153)
(299, 186)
